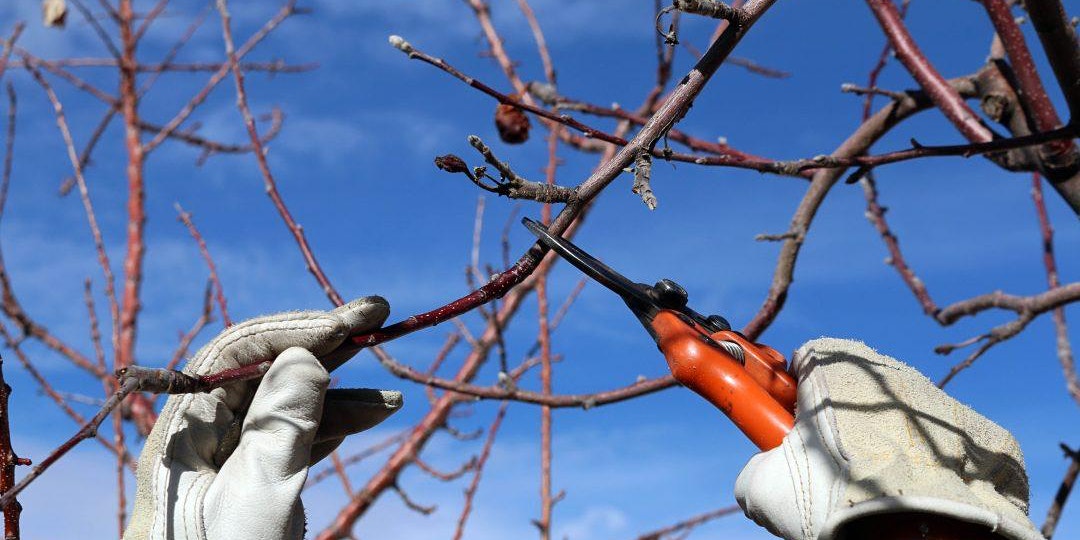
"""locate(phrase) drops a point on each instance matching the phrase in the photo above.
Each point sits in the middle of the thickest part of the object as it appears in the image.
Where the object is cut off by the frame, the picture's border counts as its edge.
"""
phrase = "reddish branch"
(339, 470)
(541, 42)
(937, 88)
(876, 214)
(883, 59)
(8, 461)
(95, 333)
(478, 471)
(355, 458)
(547, 502)
(494, 40)
(1033, 95)
(1064, 347)
(136, 204)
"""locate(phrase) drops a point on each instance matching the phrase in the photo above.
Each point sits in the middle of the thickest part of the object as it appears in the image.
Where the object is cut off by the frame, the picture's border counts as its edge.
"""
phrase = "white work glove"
(873, 436)
(230, 463)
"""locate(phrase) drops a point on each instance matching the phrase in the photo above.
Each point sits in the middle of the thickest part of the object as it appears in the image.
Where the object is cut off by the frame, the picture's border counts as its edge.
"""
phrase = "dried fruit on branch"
(512, 123)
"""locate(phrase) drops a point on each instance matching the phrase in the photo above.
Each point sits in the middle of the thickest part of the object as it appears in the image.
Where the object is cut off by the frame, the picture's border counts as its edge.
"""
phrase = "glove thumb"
(266, 472)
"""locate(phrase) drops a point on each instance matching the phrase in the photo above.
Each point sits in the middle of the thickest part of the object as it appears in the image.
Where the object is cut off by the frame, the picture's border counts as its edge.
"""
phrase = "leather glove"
(872, 437)
(230, 463)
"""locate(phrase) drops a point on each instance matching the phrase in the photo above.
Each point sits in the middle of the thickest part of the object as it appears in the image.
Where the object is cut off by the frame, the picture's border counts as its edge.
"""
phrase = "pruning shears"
(748, 381)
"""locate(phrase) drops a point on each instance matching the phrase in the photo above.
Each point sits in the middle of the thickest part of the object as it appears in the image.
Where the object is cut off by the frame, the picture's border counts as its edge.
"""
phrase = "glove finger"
(264, 338)
(271, 459)
(763, 490)
(351, 410)
(359, 316)
(363, 314)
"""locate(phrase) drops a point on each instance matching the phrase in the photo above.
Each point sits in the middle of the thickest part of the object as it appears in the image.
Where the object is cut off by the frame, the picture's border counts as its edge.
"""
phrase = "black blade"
(630, 292)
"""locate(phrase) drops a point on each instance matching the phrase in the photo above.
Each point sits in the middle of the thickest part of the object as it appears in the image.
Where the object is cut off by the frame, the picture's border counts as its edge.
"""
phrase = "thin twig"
(91, 217)
(1064, 347)
(689, 523)
(501, 392)
(223, 71)
(356, 458)
(1062, 495)
(313, 265)
(9, 43)
(478, 470)
(731, 159)
(219, 291)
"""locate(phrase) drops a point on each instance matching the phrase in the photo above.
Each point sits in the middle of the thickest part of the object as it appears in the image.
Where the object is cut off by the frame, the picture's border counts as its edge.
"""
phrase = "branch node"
(714, 9)
(642, 174)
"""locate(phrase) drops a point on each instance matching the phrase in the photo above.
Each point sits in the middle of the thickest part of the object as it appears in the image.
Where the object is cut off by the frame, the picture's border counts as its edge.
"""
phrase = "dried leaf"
(54, 13)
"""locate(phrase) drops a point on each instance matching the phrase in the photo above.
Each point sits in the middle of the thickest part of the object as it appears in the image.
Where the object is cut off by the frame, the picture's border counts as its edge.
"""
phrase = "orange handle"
(766, 366)
(743, 394)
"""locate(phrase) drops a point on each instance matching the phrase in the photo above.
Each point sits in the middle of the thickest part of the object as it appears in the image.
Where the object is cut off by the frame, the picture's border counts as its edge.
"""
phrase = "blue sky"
(354, 164)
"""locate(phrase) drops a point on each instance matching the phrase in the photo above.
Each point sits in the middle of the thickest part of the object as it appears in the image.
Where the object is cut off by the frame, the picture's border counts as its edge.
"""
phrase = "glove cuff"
(995, 523)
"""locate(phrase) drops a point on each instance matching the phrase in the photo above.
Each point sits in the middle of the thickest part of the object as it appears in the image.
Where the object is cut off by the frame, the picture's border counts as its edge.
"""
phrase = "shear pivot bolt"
(719, 323)
(670, 294)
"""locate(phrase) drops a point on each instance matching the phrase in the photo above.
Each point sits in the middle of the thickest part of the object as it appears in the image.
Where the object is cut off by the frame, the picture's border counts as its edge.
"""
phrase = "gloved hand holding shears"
(861, 447)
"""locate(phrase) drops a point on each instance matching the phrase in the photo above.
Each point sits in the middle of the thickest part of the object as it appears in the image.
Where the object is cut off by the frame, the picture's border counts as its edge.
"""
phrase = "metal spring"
(734, 349)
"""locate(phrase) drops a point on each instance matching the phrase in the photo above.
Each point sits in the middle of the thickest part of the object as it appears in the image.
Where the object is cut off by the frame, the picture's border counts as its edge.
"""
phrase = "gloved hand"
(231, 463)
(873, 437)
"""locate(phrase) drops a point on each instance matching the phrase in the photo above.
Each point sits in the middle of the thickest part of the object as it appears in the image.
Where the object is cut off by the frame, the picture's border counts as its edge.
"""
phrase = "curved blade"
(630, 292)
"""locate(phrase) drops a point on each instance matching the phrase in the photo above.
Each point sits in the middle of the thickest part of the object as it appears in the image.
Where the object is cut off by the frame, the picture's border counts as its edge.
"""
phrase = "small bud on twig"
(451, 164)
(545, 92)
(400, 44)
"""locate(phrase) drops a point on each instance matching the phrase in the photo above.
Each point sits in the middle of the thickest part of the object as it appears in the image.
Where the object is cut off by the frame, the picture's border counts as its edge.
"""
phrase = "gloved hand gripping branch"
(230, 463)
